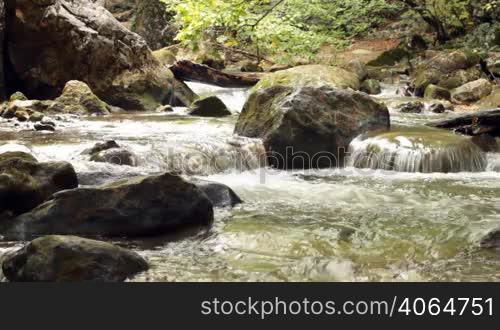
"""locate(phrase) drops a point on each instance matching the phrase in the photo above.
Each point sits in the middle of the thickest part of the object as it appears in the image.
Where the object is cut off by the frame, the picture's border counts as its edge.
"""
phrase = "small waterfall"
(417, 150)
(233, 98)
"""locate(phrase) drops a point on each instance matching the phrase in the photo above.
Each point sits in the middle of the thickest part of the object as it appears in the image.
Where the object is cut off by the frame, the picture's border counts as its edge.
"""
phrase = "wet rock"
(448, 70)
(117, 156)
(308, 111)
(491, 241)
(44, 127)
(165, 108)
(434, 92)
(25, 183)
(219, 194)
(477, 123)
(36, 117)
(371, 87)
(437, 108)
(135, 207)
(472, 91)
(83, 41)
(98, 147)
(71, 259)
(210, 106)
(412, 107)
(486, 142)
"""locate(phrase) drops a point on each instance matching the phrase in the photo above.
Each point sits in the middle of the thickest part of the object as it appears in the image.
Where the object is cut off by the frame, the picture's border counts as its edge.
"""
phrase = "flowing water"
(390, 220)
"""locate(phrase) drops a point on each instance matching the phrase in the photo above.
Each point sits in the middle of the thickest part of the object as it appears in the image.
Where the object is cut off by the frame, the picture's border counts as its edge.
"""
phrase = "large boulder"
(131, 207)
(307, 116)
(2, 37)
(434, 92)
(71, 259)
(155, 21)
(83, 41)
(25, 183)
(472, 92)
(447, 70)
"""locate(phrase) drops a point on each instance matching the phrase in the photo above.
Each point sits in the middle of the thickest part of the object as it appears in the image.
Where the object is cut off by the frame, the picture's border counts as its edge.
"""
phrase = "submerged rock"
(472, 91)
(83, 41)
(417, 150)
(210, 106)
(117, 156)
(134, 207)
(412, 107)
(306, 117)
(71, 259)
(492, 240)
(25, 183)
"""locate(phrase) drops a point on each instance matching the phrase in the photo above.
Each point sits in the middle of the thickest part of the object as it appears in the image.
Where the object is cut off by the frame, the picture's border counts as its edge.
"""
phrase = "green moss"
(311, 76)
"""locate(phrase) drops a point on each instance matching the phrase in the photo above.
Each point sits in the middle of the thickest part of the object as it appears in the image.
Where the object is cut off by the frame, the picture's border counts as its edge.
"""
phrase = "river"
(399, 222)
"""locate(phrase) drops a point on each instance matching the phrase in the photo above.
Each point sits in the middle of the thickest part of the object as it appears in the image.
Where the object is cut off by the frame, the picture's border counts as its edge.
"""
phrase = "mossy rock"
(18, 96)
(434, 92)
(165, 56)
(311, 76)
(78, 98)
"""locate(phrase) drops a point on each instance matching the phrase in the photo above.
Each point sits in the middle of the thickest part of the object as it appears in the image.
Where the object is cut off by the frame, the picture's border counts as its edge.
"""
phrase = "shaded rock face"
(155, 21)
(306, 118)
(25, 183)
(210, 106)
(2, 38)
(83, 41)
(72, 259)
(472, 92)
(447, 70)
(133, 207)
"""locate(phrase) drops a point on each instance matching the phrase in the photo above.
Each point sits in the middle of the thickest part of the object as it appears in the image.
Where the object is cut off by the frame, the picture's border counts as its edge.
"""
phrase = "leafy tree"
(287, 28)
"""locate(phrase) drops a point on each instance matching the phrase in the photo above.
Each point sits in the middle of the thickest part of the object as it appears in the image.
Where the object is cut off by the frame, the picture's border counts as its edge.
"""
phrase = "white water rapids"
(370, 223)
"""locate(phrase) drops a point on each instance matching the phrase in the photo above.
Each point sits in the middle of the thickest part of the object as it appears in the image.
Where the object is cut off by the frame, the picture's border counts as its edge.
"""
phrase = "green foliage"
(287, 28)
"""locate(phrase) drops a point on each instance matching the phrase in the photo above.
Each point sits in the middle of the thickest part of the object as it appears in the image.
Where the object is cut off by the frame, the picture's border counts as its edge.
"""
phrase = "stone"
(358, 68)
(491, 240)
(412, 107)
(434, 92)
(307, 116)
(371, 86)
(437, 108)
(78, 98)
(117, 156)
(83, 41)
(448, 70)
(132, 207)
(44, 127)
(219, 194)
(472, 91)
(26, 183)
(72, 259)
(165, 56)
(210, 106)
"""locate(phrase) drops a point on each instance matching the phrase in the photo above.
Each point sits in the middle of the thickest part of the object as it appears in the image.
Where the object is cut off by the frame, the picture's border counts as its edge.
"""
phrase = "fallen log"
(190, 71)
(477, 123)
